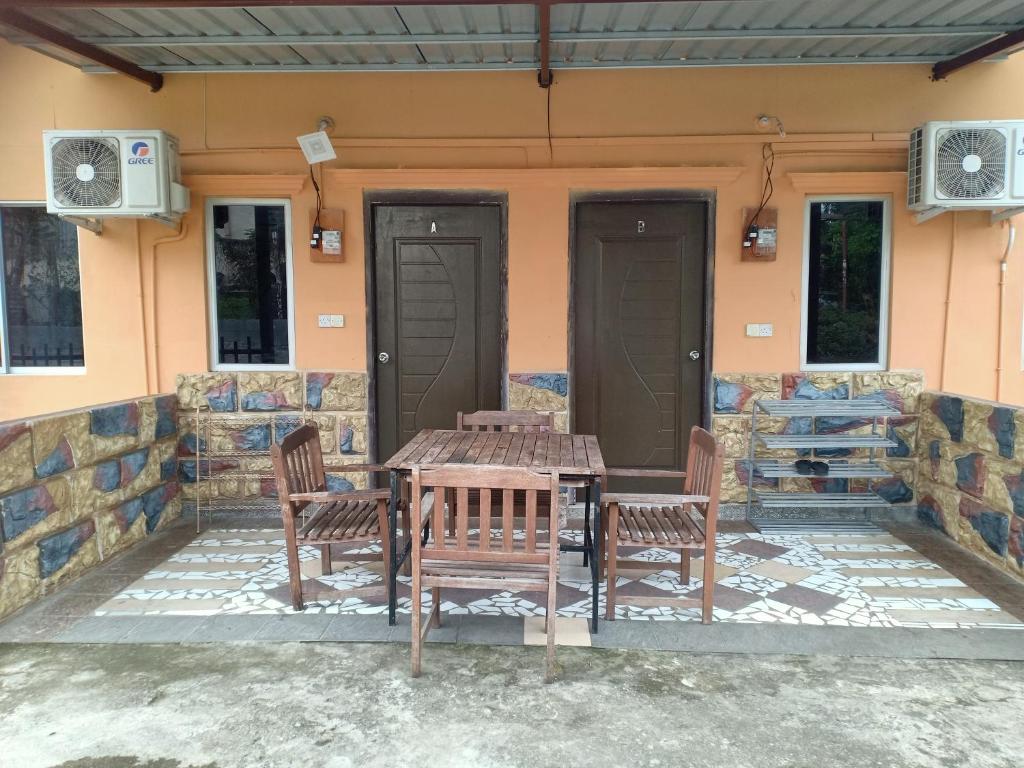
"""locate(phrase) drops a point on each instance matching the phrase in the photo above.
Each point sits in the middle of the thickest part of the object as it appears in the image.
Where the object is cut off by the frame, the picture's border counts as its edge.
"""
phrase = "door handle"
(383, 357)
(695, 354)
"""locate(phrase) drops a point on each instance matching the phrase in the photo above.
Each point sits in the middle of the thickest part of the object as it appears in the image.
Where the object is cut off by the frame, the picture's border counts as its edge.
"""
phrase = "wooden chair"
(350, 517)
(682, 523)
(505, 421)
(480, 560)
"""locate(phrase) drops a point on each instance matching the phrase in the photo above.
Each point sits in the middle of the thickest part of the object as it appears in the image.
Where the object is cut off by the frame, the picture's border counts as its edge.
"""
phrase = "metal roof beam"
(165, 4)
(53, 36)
(136, 41)
(544, 22)
(532, 64)
(1001, 45)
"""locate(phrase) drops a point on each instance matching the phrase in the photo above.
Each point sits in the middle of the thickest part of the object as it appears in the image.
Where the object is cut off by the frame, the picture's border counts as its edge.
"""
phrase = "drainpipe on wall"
(1011, 235)
(180, 235)
(949, 299)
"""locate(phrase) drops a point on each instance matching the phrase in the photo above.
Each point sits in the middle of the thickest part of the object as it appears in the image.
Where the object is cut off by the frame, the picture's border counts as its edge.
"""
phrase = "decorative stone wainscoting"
(541, 392)
(80, 486)
(971, 475)
(733, 400)
(250, 411)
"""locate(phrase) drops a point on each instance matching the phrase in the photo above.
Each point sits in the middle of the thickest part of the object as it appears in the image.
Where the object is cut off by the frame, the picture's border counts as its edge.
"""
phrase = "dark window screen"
(251, 268)
(42, 289)
(844, 282)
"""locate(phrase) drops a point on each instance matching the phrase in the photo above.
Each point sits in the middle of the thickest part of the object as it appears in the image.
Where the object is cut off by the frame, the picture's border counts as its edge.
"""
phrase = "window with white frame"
(846, 283)
(40, 294)
(249, 257)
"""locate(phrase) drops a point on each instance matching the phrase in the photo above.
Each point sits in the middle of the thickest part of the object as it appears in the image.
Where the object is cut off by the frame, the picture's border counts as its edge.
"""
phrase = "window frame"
(885, 283)
(6, 369)
(211, 284)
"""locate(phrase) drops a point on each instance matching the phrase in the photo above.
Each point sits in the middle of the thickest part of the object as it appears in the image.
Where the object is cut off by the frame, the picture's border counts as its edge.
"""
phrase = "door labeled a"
(437, 316)
(638, 347)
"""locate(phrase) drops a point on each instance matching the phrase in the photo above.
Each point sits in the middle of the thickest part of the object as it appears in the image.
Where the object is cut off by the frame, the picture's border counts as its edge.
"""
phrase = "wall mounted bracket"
(1006, 213)
(928, 214)
(93, 225)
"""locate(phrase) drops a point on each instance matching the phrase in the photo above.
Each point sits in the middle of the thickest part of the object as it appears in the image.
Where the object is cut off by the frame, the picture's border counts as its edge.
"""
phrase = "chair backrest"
(493, 493)
(704, 471)
(298, 465)
(505, 421)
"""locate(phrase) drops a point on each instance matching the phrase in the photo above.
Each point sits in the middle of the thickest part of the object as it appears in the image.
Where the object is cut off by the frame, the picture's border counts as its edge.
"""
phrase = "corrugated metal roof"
(741, 33)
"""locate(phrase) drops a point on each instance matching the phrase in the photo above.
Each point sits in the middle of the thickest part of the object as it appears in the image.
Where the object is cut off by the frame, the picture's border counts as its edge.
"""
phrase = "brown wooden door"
(638, 297)
(437, 282)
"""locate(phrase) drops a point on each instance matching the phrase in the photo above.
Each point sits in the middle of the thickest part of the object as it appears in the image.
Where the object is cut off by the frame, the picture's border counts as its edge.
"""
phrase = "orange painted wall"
(145, 307)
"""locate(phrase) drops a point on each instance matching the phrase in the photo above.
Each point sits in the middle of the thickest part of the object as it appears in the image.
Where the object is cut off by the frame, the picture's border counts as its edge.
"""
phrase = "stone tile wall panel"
(67, 479)
(335, 401)
(971, 469)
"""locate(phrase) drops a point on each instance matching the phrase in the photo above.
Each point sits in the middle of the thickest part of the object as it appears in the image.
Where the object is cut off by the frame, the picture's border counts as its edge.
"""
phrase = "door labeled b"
(638, 340)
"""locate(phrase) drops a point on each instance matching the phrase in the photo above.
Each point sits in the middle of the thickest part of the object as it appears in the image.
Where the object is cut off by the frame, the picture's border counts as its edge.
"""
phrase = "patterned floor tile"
(809, 600)
(844, 580)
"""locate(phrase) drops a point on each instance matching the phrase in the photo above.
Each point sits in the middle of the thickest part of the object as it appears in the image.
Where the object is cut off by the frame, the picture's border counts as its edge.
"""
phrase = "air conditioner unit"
(977, 164)
(98, 174)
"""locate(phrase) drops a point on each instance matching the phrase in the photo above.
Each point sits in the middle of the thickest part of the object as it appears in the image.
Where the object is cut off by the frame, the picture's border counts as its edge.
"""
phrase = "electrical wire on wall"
(317, 229)
(551, 149)
(768, 161)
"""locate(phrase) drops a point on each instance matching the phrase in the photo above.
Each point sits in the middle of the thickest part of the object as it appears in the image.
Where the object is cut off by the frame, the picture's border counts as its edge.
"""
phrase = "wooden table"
(576, 458)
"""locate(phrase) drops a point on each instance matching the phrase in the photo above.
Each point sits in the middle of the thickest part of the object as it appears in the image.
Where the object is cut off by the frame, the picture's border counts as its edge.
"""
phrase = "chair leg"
(406, 537)
(708, 604)
(602, 545)
(416, 617)
(294, 574)
(385, 546)
(549, 630)
(435, 610)
(326, 567)
(613, 553)
(684, 566)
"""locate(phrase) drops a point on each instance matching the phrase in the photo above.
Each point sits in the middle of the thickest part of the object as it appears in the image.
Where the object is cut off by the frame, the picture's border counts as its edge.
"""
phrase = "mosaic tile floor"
(837, 580)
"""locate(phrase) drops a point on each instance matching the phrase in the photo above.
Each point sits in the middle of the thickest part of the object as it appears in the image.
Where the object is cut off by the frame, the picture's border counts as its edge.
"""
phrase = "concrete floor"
(340, 705)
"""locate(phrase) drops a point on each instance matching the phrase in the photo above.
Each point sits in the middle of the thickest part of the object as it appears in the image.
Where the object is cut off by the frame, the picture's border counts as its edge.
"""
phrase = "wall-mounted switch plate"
(330, 321)
(760, 330)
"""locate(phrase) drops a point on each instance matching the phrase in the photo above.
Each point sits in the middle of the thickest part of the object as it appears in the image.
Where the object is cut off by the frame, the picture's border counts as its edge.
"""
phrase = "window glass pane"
(251, 266)
(844, 285)
(42, 290)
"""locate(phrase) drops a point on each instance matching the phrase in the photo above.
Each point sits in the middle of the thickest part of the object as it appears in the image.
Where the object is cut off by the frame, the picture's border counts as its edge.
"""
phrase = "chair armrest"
(356, 468)
(651, 499)
(322, 496)
(631, 472)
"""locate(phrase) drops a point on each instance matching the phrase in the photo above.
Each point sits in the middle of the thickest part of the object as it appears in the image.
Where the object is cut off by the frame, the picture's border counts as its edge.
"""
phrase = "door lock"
(694, 354)
(383, 357)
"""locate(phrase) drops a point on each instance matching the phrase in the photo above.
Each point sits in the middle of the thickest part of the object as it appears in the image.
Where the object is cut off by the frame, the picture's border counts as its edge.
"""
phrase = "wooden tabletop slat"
(486, 454)
(501, 449)
(546, 451)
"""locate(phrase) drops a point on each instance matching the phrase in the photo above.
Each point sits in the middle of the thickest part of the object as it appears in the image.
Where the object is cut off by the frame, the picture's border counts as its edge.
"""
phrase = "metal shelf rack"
(205, 455)
(848, 467)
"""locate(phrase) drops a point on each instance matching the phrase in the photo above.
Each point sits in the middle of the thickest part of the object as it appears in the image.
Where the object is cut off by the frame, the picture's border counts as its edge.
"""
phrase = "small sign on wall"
(332, 236)
(760, 239)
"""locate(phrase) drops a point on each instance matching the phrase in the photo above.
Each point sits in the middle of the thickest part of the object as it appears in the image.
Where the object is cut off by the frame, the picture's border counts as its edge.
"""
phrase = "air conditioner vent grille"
(970, 164)
(915, 175)
(86, 172)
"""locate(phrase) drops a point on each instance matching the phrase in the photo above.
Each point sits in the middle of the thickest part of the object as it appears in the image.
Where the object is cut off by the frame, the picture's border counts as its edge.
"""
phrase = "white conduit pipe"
(1011, 236)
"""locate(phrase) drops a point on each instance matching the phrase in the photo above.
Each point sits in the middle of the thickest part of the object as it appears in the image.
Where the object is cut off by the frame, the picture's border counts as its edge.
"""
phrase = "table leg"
(392, 567)
(595, 565)
(587, 540)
